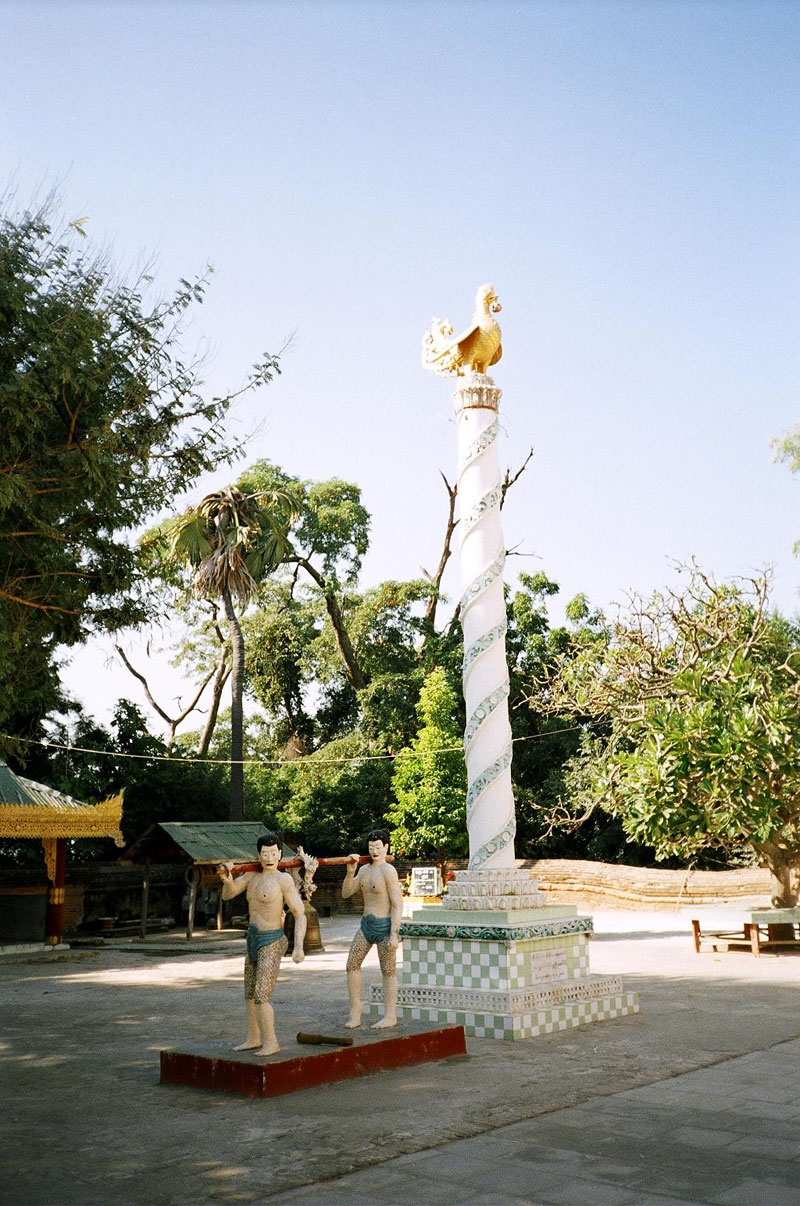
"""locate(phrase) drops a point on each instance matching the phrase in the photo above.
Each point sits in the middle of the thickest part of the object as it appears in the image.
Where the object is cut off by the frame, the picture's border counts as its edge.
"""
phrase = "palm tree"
(234, 539)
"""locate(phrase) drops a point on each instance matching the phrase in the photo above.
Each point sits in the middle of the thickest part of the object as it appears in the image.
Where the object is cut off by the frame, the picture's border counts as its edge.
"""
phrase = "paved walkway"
(696, 1099)
(727, 1134)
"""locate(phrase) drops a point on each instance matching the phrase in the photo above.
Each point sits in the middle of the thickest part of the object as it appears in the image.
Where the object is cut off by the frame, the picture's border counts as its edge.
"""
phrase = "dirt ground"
(86, 1121)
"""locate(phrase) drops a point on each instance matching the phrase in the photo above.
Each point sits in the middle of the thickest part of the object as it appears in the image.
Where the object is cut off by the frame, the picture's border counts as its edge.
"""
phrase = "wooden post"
(220, 903)
(54, 916)
(193, 882)
(145, 897)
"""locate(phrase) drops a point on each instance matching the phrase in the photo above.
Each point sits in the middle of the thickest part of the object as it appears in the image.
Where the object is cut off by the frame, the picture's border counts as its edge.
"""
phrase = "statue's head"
(269, 847)
(486, 299)
(378, 842)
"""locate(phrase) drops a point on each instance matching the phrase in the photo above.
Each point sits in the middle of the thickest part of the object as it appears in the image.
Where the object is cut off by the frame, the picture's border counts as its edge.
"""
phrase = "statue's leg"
(269, 962)
(251, 1037)
(387, 957)
(359, 949)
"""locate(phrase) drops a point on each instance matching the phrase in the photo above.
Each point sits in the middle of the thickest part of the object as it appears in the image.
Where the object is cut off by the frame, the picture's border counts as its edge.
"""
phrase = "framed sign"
(426, 881)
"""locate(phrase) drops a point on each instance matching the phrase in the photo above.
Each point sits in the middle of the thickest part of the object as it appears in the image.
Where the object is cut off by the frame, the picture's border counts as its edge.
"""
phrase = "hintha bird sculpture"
(475, 350)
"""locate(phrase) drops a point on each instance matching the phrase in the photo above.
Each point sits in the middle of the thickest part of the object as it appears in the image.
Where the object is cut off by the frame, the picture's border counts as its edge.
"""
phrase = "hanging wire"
(295, 762)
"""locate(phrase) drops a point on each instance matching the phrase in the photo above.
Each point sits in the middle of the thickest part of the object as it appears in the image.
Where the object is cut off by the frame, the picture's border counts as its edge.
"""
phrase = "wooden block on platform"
(299, 1068)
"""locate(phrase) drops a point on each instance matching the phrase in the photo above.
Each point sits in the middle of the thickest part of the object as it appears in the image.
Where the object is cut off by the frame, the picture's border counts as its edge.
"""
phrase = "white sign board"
(426, 881)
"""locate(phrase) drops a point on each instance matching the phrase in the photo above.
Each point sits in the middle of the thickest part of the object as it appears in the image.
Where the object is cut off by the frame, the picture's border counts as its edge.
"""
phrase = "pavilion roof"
(33, 810)
(199, 842)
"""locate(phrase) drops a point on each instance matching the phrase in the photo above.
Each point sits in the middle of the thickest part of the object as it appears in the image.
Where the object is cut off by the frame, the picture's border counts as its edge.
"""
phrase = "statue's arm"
(351, 884)
(297, 908)
(396, 902)
(233, 887)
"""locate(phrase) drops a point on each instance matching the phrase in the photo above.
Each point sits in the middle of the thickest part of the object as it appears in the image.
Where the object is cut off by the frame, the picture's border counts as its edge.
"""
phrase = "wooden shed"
(201, 846)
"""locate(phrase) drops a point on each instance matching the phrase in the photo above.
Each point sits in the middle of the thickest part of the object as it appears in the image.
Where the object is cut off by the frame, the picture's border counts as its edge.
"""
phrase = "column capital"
(477, 392)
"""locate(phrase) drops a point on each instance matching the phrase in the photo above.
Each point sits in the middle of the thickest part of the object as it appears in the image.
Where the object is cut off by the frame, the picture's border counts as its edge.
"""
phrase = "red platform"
(288, 1072)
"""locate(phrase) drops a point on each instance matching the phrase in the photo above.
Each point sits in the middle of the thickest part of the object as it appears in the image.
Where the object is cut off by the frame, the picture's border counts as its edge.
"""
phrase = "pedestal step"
(512, 1027)
(518, 1001)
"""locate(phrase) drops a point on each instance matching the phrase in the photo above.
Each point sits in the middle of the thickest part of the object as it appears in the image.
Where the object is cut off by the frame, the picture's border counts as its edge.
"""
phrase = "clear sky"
(626, 174)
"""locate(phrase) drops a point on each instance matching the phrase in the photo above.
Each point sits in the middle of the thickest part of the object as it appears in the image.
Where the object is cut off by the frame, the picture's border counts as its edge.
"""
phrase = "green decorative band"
(483, 711)
(482, 583)
(481, 509)
(509, 933)
(486, 778)
(504, 838)
(480, 646)
(479, 446)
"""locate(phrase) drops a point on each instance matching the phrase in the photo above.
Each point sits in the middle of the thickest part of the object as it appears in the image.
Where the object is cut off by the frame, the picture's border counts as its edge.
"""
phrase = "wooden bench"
(767, 929)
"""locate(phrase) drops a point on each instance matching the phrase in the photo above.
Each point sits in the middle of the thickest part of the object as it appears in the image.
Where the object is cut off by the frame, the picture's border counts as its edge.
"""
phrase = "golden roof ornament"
(474, 350)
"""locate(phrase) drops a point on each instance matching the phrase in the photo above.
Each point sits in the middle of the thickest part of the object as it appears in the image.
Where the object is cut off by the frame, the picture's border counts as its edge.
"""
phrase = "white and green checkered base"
(503, 973)
(521, 1025)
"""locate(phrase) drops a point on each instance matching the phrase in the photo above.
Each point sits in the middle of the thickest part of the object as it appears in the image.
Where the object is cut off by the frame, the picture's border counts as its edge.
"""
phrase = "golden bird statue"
(475, 350)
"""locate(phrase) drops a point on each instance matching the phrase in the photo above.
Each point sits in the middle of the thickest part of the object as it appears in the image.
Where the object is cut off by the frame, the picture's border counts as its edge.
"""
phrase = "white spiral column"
(491, 821)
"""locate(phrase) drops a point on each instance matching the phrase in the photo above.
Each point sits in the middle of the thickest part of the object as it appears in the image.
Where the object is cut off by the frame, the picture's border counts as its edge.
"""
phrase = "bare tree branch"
(509, 480)
(171, 722)
(436, 580)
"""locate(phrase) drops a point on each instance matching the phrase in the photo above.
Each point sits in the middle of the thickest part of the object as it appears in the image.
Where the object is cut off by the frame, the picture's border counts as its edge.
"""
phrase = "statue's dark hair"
(269, 839)
(380, 835)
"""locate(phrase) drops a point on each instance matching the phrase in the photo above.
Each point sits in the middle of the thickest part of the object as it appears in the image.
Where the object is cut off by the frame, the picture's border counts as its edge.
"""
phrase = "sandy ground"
(86, 1121)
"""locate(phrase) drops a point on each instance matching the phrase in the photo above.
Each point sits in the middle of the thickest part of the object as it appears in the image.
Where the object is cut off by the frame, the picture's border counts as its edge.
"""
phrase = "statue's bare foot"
(353, 1022)
(384, 1024)
(248, 1045)
(268, 1049)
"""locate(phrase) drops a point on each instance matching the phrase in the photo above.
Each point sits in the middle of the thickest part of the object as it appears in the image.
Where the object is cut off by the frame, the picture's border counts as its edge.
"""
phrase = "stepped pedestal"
(498, 961)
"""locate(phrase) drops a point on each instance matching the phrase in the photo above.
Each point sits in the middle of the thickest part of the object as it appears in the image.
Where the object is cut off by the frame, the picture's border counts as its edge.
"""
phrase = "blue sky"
(626, 174)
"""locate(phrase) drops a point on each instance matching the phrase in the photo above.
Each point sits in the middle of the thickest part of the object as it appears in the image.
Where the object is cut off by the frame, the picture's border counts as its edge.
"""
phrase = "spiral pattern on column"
(485, 510)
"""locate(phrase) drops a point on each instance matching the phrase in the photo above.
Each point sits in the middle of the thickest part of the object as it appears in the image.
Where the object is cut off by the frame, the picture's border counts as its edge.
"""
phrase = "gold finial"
(475, 350)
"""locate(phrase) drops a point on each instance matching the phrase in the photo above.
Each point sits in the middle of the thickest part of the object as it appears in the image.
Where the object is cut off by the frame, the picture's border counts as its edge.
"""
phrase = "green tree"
(103, 424)
(232, 540)
(430, 779)
(329, 538)
(695, 695)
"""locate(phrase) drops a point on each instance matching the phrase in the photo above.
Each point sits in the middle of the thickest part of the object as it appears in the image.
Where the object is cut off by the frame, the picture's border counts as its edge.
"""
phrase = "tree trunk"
(237, 728)
(356, 677)
(220, 679)
(436, 581)
(782, 864)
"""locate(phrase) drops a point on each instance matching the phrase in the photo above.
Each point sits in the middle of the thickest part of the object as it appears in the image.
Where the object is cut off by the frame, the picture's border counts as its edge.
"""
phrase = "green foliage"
(330, 801)
(280, 635)
(103, 424)
(232, 540)
(430, 780)
(331, 524)
(157, 787)
(697, 694)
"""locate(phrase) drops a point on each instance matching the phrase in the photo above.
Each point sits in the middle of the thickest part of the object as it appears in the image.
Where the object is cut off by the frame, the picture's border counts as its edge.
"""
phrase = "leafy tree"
(697, 693)
(332, 799)
(329, 538)
(103, 424)
(233, 540)
(430, 779)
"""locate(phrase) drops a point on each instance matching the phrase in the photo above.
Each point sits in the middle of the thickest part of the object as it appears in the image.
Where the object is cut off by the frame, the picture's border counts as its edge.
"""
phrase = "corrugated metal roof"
(32, 810)
(14, 789)
(218, 841)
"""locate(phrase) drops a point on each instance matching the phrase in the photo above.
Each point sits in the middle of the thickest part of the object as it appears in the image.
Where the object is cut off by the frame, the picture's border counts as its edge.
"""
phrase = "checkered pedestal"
(502, 972)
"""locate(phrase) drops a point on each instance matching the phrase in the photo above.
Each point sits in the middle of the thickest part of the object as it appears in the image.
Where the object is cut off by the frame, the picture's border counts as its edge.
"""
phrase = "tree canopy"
(430, 779)
(693, 725)
(104, 423)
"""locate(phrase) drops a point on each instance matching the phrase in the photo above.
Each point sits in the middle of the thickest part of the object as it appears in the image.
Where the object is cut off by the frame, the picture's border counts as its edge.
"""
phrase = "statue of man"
(383, 911)
(267, 891)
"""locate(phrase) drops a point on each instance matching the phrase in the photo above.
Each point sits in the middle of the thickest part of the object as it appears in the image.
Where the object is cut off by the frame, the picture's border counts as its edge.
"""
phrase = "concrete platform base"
(301, 1067)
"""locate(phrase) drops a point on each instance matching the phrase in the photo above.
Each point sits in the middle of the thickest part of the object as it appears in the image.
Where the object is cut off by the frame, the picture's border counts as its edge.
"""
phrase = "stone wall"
(648, 887)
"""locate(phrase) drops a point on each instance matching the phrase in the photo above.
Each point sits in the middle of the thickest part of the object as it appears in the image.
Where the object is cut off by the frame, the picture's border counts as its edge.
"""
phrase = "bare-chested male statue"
(383, 911)
(267, 890)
